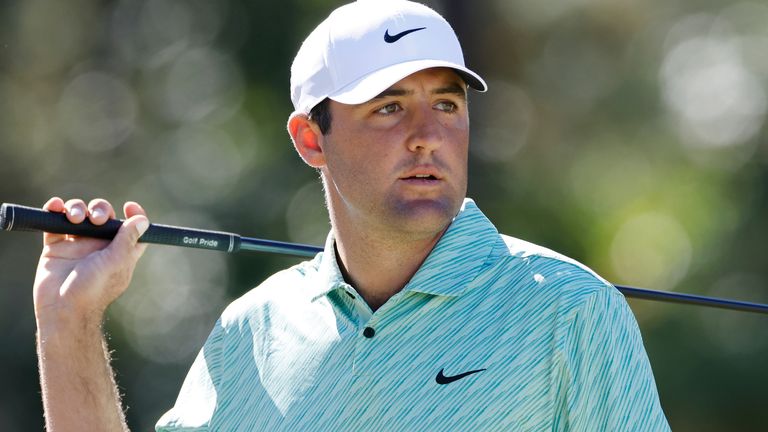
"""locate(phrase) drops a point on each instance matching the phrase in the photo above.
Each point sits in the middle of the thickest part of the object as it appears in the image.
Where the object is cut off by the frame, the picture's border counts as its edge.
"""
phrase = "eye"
(389, 109)
(446, 106)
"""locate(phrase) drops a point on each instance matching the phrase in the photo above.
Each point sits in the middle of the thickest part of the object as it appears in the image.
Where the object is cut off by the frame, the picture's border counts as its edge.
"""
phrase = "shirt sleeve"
(606, 382)
(197, 400)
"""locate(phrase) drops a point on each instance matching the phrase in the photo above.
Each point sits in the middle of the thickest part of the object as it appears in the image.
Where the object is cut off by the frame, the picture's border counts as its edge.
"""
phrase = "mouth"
(422, 180)
(421, 177)
(425, 174)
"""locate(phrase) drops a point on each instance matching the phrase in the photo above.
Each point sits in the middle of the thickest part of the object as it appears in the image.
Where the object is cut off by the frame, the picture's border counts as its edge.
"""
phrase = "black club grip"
(21, 218)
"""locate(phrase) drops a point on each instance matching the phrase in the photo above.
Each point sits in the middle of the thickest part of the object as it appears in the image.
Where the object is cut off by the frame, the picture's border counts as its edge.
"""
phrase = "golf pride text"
(200, 242)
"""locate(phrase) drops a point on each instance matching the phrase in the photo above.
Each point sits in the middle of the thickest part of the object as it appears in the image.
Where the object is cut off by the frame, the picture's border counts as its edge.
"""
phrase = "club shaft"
(273, 246)
(21, 218)
(692, 299)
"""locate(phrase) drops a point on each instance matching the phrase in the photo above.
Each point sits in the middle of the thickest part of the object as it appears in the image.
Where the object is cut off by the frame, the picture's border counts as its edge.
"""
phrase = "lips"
(422, 177)
(422, 173)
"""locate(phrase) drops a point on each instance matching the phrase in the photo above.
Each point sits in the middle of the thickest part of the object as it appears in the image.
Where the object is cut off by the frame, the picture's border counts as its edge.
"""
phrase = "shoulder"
(571, 294)
(545, 258)
(285, 285)
(568, 280)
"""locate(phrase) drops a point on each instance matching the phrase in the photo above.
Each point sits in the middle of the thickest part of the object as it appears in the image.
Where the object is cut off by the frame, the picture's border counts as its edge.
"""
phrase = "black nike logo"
(442, 379)
(388, 38)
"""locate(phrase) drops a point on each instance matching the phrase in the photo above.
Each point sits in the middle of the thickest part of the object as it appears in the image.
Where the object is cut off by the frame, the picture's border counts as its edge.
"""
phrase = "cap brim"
(366, 88)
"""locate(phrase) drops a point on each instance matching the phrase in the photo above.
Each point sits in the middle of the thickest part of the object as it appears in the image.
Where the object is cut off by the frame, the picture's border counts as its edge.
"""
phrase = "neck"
(379, 263)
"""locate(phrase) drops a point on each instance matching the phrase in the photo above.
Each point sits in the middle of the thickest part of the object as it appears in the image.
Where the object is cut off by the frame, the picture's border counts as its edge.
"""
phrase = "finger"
(76, 210)
(99, 211)
(132, 208)
(55, 205)
(125, 245)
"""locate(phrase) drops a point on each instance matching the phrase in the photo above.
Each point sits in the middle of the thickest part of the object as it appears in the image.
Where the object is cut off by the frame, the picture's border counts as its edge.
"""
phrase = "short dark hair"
(321, 114)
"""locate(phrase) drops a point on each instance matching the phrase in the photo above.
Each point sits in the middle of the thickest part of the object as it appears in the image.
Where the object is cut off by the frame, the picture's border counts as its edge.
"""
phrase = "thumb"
(126, 240)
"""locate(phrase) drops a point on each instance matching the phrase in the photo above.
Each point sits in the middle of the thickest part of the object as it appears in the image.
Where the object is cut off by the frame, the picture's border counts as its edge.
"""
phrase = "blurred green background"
(628, 134)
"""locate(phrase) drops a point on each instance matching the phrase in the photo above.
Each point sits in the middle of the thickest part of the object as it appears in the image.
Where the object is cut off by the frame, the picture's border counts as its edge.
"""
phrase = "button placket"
(368, 337)
(366, 345)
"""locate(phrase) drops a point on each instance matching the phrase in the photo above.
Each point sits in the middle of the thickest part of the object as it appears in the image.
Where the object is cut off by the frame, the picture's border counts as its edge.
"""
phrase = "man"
(418, 315)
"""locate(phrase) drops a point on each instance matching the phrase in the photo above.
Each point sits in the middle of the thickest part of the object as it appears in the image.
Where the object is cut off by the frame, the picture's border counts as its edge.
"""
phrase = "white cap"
(365, 47)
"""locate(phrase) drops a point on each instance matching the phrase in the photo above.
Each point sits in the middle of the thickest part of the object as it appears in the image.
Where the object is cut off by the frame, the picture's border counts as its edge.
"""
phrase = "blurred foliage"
(627, 134)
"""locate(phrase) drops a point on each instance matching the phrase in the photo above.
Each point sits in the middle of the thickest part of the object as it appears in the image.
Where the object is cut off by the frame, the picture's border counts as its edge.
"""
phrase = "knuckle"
(99, 209)
(98, 202)
(76, 210)
(75, 202)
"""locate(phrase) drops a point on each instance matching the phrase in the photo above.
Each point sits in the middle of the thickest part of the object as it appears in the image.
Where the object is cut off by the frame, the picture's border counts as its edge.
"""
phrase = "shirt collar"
(329, 273)
(459, 255)
(456, 259)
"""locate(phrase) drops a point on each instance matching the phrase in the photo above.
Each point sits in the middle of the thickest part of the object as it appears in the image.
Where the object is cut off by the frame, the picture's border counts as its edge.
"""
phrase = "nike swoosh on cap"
(442, 379)
(388, 38)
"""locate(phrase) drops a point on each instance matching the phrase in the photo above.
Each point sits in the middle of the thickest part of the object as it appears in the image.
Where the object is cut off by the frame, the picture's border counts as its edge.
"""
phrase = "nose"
(426, 130)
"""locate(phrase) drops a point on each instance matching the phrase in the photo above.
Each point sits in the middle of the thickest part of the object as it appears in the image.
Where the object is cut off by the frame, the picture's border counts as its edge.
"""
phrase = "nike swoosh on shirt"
(442, 379)
(388, 38)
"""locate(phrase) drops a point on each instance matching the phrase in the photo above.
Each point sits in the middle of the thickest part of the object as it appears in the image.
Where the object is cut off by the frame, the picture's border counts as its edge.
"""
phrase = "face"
(398, 163)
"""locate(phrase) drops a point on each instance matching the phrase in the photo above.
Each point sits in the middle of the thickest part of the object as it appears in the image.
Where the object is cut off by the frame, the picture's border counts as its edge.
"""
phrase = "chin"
(426, 216)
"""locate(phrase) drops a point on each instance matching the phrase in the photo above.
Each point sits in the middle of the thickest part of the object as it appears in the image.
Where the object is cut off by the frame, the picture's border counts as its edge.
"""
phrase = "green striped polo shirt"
(491, 334)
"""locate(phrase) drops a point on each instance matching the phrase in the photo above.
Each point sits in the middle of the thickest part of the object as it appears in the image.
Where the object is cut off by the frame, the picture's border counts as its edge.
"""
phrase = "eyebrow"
(454, 89)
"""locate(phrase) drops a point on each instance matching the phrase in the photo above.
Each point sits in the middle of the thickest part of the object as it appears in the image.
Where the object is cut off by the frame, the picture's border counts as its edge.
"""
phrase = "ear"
(307, 139)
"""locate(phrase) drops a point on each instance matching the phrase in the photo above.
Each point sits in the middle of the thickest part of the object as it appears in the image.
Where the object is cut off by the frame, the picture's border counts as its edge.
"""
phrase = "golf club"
(15, 217)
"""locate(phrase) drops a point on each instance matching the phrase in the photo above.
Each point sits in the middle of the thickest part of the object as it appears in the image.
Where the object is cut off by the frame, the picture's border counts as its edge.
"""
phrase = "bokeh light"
(717, 100)
(201, 84)
(202, 164)
(651, 249)
(306, 216)
(97, 112)
(505, 120)
(733, 332)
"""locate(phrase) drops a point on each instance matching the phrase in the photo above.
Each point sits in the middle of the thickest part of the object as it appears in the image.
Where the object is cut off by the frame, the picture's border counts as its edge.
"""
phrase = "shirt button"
(369, 332)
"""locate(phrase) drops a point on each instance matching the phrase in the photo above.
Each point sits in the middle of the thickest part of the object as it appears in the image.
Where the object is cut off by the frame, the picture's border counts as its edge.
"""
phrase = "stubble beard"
(394, 218)
(419, 219)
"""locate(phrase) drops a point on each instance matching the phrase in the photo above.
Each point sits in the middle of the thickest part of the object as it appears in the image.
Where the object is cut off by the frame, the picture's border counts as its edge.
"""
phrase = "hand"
(77, 277)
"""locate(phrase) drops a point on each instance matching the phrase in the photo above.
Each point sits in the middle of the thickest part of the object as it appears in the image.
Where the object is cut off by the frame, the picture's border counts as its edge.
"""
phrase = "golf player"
(418, 315)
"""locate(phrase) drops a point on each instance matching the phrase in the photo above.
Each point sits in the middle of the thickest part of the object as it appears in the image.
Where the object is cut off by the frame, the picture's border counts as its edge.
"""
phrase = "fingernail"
(97, 212)
(142, 226)
(75, 211)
